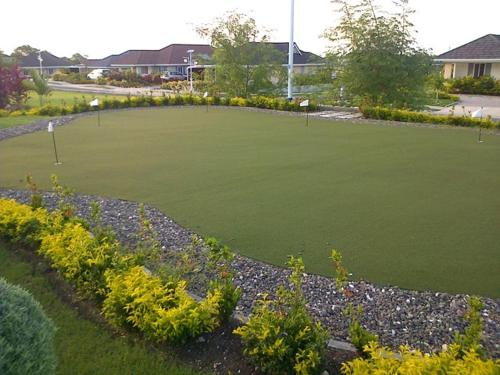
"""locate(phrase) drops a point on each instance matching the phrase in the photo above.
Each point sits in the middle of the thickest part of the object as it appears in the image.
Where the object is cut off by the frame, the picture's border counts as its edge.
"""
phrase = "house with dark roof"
(478, 58)
(49, 64)
(173, 58)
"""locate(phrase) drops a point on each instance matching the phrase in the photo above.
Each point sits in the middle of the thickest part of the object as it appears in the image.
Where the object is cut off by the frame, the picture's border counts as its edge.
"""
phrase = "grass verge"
(82, 346)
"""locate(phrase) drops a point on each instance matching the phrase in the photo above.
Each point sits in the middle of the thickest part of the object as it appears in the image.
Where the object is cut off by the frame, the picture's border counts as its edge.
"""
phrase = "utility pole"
(290, 53)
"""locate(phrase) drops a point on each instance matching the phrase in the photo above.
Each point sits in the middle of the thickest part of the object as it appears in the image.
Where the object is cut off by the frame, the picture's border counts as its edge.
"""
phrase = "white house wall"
(495, 70)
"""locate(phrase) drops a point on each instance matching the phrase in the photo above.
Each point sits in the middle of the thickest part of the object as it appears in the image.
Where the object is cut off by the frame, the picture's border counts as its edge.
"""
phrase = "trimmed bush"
(406, 361)
(21, 224)
(162, 311)
(80, 258)
(26, 334)
(382, 113)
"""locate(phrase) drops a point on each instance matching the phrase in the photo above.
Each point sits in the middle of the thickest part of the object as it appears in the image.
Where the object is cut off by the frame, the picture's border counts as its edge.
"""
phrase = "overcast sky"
(97, 28)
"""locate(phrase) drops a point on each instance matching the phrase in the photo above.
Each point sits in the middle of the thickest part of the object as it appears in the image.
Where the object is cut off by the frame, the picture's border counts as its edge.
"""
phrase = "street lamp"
(290, 53)
(41, 60)
(190, 67)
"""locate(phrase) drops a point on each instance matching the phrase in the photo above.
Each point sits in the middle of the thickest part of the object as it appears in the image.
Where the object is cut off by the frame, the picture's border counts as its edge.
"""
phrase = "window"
(479, 70)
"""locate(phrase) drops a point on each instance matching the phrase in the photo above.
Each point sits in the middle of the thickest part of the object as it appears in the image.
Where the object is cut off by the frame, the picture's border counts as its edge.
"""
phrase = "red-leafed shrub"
(12, 90)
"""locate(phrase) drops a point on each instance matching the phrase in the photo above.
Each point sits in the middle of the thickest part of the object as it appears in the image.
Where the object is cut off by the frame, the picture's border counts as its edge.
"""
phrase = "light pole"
(290, 52)
(41, 60)
(190, 68)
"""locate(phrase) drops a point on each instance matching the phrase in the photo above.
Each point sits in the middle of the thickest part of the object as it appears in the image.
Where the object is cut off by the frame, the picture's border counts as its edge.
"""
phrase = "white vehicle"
(97, 73)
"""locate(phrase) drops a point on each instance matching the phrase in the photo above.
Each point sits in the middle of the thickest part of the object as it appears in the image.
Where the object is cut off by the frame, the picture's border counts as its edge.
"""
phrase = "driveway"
(490, 104)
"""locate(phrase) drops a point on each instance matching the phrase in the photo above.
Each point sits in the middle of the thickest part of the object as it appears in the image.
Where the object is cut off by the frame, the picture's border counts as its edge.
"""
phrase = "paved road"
(490, 104)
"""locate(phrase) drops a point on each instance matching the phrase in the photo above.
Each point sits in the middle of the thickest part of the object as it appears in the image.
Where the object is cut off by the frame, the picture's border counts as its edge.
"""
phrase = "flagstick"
(98, 116)
(307, 116)
(55, 148)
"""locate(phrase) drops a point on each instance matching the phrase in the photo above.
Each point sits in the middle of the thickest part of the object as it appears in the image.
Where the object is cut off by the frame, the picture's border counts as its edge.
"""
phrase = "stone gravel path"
(425, 320)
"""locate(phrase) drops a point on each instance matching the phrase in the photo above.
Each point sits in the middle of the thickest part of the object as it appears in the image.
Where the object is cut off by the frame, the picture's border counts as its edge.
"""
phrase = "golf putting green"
(416, 207)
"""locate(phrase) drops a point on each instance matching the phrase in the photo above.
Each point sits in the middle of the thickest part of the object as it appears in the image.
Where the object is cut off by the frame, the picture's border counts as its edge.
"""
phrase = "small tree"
(244, 62)
(377, 56)
(40, 85)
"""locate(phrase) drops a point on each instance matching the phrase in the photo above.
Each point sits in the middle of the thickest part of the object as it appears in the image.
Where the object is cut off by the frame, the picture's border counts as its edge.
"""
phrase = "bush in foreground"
(26, 334)
(280, 336)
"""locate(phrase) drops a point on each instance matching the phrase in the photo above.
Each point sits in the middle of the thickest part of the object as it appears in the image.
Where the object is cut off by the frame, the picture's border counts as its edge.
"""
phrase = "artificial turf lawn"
(84, 347)
(416, 207)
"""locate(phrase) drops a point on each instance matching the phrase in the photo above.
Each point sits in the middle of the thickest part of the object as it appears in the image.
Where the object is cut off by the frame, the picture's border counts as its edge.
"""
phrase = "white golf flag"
(305, 103)
(477, 113)
(50, 128)
(205, 94)
(94, 103)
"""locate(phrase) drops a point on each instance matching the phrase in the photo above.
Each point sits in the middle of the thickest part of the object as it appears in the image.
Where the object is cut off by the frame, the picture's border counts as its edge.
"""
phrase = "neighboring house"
(478, 58)
(172, 58)
(49, 65)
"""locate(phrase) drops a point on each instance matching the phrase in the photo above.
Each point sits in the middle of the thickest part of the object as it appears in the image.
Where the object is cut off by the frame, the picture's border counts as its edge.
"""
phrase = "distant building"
(478, 58)
(49, 65)
(172, 59)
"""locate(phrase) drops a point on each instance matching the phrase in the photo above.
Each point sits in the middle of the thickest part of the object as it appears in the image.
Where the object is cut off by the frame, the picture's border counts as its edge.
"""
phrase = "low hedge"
(150, 101)
(99, 268)
(382, 113)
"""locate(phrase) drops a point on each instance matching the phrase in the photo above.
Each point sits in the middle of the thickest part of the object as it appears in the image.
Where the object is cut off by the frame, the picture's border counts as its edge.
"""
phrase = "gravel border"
(424, 320)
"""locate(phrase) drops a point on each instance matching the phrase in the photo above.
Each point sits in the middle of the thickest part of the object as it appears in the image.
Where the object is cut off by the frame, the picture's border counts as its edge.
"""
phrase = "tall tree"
(23, 51)
(377, 56)
(244, 62)
(78, 59)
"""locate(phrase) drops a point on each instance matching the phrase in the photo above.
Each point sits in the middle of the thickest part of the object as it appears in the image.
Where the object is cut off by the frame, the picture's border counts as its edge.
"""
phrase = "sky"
(97, 28)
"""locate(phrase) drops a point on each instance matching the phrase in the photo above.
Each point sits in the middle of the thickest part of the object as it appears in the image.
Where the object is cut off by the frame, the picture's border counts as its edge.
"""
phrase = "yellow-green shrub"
(21, 224)
(163, 311)
(79, 257)
(281, 337)
(406, 361)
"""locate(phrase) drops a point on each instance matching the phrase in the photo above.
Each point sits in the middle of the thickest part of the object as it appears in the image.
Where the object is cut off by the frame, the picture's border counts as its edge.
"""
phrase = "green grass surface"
(416, 207)
(83, 347)
(7, 122)
(66, 98)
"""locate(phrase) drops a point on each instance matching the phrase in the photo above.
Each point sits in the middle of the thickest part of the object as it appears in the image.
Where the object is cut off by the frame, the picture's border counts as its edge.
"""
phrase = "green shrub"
(280, 336)
(162, 311)
(26, 334)
(471, 338)
(219, 260)
(485, 85)
(407, 361)
(360, 336)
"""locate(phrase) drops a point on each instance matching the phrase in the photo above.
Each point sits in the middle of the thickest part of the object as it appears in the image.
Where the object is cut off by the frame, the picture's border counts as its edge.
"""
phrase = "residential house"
(478, 58)
(173, 58)
(49, 64)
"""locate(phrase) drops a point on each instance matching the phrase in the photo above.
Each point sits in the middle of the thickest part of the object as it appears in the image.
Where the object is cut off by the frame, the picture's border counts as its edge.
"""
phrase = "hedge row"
(99, 268)
(150, 101)
(382, 113)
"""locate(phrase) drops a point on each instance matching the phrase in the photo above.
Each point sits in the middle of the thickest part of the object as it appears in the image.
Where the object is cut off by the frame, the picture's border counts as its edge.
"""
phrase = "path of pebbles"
(422, 319)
